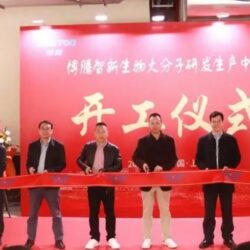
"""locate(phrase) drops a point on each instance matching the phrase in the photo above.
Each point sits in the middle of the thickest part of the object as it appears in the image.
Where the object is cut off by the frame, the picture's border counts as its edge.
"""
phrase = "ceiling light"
(158, 18)
(38, 21)
(221, 15)
(101, 18)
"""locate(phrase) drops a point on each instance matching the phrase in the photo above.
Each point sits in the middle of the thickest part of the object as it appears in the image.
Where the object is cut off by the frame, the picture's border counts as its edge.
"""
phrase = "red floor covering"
(187, 232)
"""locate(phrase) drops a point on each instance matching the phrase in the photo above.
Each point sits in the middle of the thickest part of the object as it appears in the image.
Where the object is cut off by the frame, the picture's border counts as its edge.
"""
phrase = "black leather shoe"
(29, 243)
(59, 244)
(229, 243)
(206, 243)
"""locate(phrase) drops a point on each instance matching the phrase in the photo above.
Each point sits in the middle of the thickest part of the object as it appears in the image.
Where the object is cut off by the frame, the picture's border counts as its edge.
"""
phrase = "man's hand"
(225, 167)
(45, 171)
(145, 167)
(158, 168)
(88, 171)
(32, 170)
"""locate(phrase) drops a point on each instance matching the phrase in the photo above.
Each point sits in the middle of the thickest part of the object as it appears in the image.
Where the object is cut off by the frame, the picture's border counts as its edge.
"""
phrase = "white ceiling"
(23, 3)
(16, 3)
(213, 7)
(128, 11)
(195, 8)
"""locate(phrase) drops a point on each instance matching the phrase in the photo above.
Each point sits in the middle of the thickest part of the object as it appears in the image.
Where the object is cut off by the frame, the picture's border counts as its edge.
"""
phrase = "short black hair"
(216, 113)
(154, 115)
(101, 124)
(45, 122)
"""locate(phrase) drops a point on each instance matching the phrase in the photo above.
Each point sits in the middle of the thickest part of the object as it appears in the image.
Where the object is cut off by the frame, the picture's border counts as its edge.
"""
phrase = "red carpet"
(186, 232)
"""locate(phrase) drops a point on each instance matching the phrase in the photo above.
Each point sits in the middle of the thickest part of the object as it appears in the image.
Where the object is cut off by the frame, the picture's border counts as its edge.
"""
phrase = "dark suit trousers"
(51, 195)
(1, 212)
(106, 195)
(227, 227)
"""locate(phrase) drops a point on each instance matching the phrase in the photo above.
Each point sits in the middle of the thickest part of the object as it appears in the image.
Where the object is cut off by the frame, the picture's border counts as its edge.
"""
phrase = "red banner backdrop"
(78, 75)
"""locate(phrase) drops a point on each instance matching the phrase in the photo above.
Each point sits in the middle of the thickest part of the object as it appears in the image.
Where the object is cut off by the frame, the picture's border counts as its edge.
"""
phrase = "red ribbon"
(169, 178)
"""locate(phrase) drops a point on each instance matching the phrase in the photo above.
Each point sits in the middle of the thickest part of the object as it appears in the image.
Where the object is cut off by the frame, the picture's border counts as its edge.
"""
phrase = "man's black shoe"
(206, 243)
(29, 243)
(59, 244)
(229, 243)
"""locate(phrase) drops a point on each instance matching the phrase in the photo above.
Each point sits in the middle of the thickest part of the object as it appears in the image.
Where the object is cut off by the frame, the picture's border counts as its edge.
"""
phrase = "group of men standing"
(155, 152)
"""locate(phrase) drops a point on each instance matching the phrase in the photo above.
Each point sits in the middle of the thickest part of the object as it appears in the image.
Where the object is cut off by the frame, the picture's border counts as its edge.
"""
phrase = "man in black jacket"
(154, 153)
(96, 157)
(217, 150)
(45, 155)
(2, 169)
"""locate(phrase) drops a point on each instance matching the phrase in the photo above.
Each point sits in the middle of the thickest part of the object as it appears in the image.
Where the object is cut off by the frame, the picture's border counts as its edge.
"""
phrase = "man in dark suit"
(96, 157)
(217, 150)
(45, 155)
(2, 169)
(154, 153)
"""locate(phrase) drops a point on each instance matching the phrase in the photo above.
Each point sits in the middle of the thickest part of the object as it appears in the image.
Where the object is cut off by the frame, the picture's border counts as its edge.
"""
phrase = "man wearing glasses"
(45, 155)
(217, 150)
